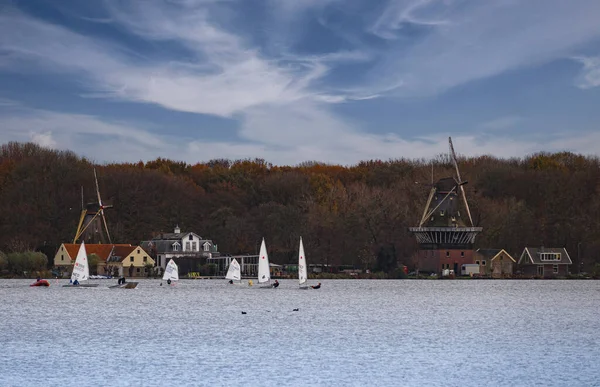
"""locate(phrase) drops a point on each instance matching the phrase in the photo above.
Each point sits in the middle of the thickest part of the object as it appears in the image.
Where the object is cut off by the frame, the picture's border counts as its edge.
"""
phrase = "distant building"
(496, 263)
(446, 232)
(188, 249)
(545, 262)
(113, 259)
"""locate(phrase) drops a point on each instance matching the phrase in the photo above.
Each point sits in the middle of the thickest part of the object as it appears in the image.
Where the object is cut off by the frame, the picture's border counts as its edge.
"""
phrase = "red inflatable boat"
(40, 283)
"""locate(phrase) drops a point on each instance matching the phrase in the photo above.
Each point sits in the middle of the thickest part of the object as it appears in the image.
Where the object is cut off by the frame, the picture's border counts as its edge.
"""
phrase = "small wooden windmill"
(92, 227)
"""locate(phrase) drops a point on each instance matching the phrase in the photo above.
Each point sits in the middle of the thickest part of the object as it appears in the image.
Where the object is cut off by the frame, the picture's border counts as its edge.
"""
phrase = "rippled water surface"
(350, 333)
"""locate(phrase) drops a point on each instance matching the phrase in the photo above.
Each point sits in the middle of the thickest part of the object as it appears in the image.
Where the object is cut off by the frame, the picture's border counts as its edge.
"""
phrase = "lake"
(349, 332)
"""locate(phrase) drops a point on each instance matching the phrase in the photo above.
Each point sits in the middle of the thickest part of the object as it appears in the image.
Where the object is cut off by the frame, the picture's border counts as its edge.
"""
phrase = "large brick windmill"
(445, 236)
(92, 227)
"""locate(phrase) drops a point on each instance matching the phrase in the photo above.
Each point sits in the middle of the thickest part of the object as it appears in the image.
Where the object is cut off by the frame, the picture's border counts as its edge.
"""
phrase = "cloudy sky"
(337, 81)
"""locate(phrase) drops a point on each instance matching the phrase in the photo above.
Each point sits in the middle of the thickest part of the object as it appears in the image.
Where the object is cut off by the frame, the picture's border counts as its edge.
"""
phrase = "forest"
(347, 215)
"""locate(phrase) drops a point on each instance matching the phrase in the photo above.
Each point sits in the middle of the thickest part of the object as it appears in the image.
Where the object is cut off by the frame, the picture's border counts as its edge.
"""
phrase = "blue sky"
(337, 81)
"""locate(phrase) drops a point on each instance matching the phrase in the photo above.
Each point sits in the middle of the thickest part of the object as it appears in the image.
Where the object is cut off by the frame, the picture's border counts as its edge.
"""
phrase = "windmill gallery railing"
(445, 235)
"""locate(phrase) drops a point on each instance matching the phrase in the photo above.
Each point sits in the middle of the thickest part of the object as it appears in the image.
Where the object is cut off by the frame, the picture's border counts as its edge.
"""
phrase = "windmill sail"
(264, 275)
(234, 272)
(302, 270)
(171, 272)
(460, 182)
(81, 270)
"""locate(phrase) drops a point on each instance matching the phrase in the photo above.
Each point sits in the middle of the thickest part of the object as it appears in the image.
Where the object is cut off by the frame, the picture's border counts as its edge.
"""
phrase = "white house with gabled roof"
(179, 245)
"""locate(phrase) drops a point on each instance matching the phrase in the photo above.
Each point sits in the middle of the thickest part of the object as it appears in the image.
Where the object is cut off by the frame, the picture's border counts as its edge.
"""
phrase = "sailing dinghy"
(234, 273)
(81, 270)
(264, 273)
(302, 270)
(171, 273)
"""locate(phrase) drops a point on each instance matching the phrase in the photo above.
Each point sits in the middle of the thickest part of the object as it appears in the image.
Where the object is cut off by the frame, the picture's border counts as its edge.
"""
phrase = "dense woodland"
(356, 215)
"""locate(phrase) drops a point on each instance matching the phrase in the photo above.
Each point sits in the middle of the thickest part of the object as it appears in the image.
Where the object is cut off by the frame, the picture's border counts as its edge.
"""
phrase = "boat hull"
(41, 283)
(127, 285)
(81, 286)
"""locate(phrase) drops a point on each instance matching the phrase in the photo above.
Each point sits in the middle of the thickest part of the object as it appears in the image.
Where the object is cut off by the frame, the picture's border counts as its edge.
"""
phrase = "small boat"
(126, 285)
(81, 270)
(264, 273)
(40, 282)
(234, 273)
(302, 271)
(171, 273)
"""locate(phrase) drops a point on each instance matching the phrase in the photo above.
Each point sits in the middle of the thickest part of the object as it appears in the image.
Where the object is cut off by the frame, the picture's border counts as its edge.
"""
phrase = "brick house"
(545, 262)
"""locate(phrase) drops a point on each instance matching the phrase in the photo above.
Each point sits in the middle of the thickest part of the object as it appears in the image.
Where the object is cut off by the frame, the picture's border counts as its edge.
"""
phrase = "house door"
(540, 270)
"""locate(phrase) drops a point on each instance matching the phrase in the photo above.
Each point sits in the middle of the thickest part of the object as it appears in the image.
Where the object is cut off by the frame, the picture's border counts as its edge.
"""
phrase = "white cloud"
(590, 74)
(43, 139)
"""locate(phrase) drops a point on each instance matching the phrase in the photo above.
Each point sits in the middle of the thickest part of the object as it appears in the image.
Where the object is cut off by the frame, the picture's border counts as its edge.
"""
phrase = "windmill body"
(446, 232)
(92, 227)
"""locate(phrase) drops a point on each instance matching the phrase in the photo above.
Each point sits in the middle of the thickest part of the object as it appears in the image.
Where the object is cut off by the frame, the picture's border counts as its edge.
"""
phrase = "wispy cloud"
(480, 40)
(590, 74)
(405, 12)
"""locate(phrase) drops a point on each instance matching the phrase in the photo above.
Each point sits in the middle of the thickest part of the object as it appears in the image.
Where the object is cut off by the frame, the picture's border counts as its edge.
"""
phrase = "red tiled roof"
(101, 250)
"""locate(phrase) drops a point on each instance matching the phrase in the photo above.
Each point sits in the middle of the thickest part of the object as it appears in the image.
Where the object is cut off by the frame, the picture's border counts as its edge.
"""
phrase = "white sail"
(234, 272)
(264, 275)
(302, 271)
(171, 272)
(81, 270)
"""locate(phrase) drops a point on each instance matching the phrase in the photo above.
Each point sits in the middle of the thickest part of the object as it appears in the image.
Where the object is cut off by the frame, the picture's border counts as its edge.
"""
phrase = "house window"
(145, 259)
(549, 256)
(206, 246)
(176, 246)
(194, 246)
(540, 270)
(187, 246)
(131, 259)
(62, 248)
(462, 254)
(555, 269)
(447, 254)
(477, 262)
(137, 270)
(483, 263)
(138, 251)
(62, 257)
(159, 259)
(191, 237)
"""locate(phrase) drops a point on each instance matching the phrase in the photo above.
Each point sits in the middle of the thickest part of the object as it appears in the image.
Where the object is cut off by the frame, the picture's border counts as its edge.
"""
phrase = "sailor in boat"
(231, 282)
(275, 284)
(75, 283)
(250, 283)
(317, 286)
(169, 281)
(121, 281)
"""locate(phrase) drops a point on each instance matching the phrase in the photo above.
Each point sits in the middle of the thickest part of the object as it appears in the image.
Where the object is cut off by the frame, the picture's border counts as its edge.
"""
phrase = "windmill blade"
(97, 189)
(460, 182)
(106, 227)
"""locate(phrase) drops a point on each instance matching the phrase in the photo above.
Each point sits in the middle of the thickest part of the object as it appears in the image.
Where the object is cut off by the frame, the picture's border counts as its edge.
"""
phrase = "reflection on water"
(349, 332)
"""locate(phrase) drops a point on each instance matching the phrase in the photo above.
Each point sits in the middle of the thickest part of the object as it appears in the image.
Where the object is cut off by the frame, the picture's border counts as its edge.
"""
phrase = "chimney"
(177, 230)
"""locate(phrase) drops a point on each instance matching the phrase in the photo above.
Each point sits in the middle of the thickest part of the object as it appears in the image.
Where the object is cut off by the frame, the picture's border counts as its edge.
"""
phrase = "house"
(496, 263)
(190, 249)
(132, 261)
(113, 259)
(545, 262)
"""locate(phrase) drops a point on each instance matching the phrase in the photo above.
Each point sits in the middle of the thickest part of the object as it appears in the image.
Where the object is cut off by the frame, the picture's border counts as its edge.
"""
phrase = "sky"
(289, 81)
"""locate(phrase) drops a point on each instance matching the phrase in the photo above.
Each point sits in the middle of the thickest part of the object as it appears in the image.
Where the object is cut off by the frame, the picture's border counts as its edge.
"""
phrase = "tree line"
(347, 215)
